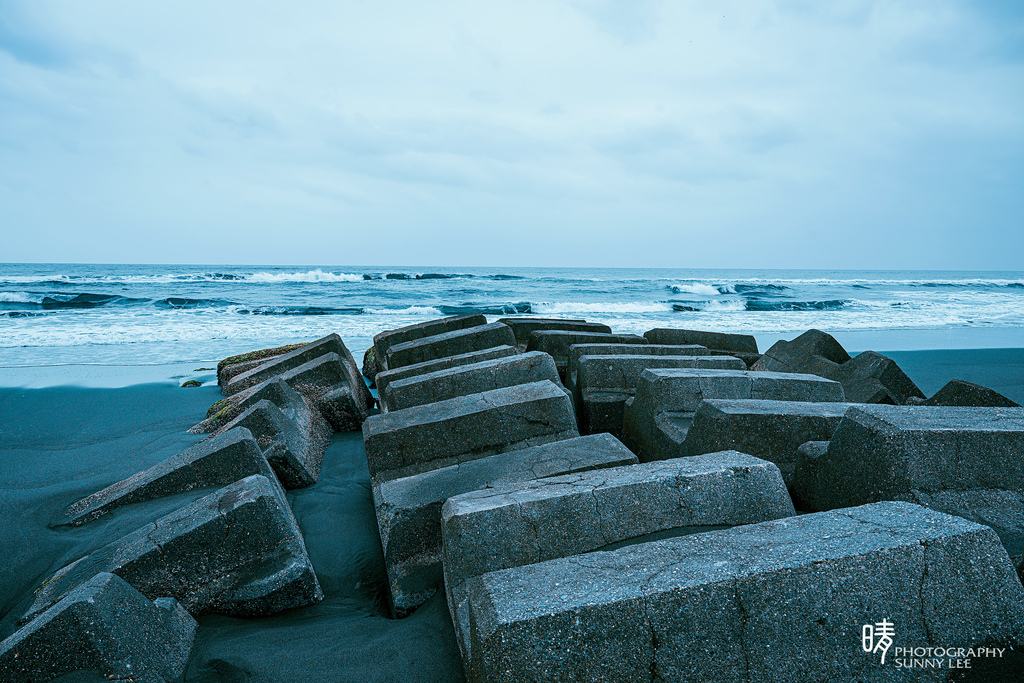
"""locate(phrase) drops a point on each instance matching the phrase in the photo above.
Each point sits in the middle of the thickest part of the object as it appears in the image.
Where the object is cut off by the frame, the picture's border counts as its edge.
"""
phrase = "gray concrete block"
(578, 350)
(604, 384)
(409, 509)
(237, 551)
(772, 430)
(219, 461)
(814, 352)
(958, 392)
(522, 328)
(325, 384)
(557, 343)
(742, 343)
(470, 379)
(106, 628)
(880, 452)
(454, 343)
(781, 601)
(870, 377)
(388, 376)
(658, 417)
(404, 442)
(383, 342)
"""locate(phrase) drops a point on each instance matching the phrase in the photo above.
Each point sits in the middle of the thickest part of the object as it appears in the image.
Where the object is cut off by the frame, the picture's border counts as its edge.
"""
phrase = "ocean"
(59, 314)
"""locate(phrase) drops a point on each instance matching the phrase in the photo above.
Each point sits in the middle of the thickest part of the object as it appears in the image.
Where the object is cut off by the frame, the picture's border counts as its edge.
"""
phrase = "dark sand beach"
(64, 442)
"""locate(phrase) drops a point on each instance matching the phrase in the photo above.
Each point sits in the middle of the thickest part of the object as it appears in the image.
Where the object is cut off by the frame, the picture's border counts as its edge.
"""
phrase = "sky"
(755, 134)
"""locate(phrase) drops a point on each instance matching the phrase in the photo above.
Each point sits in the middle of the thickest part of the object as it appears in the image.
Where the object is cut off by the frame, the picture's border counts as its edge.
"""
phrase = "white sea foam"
(317, 275)
(20, 298)
(569, 307)
(411, 310)
(698, 288)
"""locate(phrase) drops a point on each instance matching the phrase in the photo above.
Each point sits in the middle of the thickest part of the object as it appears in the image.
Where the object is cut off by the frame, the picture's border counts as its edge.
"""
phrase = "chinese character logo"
(875, 637)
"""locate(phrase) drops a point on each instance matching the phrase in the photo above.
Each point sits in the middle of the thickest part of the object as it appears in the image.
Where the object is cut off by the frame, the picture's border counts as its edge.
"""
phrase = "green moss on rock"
(255, 355)
(192, 383)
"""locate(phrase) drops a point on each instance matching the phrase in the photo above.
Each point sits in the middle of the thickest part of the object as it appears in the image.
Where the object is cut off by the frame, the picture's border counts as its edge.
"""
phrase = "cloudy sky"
(757, 133)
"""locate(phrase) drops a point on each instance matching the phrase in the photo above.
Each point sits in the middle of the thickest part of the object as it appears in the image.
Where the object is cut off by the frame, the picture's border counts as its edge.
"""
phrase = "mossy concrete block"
(237, 551)
(404, 442)
(388, 376)
(453, 343)
(383, 342)
(105, 628)
(409, 509)
(724, 341)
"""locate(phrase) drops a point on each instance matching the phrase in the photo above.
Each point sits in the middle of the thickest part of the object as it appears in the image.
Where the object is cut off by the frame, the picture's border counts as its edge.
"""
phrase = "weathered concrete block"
(295, 450)
(370, 365)
(741, 343)
(534, 521)
(576, 351)
(870, 377)
(236, 551)
(657, 418)
(404, 442)
(773, 430)
(409, 509)
(386, 377)
(522, 328)
(605, 383)
(383, 342)
(957, 392)
(557, 343)
(277, 391)
(104, 627)
(470, 379)
(454, 343)
(219, 461)
(325, 384)
(883, 452)
(778, 601)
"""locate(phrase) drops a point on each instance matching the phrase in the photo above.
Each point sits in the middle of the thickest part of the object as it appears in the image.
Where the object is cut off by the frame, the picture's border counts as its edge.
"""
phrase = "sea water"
(55, 314)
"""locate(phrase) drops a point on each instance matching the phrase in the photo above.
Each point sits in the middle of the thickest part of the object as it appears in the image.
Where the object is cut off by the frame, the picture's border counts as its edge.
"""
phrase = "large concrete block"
(277, 391)
(470, 379)
(404, 442)
(383, 342)
(453, 343)
(659, 415)
(604, 384)
(219, 461)
(782, 601)
(522, 328)
(870, 377)
(409, 509)
(576, 351)
(325, 384)
(958, 392)
(236, 551)
(388, 376)
(883, 452)
(724, 341)
(557, 343)
(105, 628)
(814, 352)
(534, 521)
(773, 430)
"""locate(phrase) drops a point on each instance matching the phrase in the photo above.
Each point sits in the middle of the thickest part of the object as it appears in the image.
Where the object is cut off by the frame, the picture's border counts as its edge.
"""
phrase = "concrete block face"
(777, 601)
(576, 351)
(470, 379)
(957, 392)
(106, 628)
(657, 418)
(557, 343)
(742, 343)
(409, 509)
(386, 377)
(881, 452)
(404, 442)
(237, 551)
(383, 342)
(454, 343)
(772, 430)
(325, 384)
(219, 461)
(295, 450)
(522, 328)
(870, 377)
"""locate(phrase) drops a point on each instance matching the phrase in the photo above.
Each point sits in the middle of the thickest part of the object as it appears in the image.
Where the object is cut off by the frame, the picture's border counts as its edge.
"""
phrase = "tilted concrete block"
(104, 627)
(409, 509)
(658, 417)
(557, 343)
(870, 377)
(781, 601)
(578, 350)
(957, 392)
(453, 343)
(237, 551)
(741, 343)
(403, 442)
(383, 342)
(388, 376)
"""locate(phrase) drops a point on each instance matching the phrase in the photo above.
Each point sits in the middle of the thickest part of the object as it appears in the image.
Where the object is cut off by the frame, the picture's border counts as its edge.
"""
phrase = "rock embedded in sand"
(387, 376)
(558, 342)
(957, 392)
(453, 343)
(105, 627)
(383, 342)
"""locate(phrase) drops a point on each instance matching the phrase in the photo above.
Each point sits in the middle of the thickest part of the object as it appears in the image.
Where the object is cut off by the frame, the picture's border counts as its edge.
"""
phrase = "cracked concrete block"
(557, 343)
(237, 551)
(657, 418)
(470, 379)
(522, 328)
(404, 442)
(388, 376)
(578, 350)
(104, 627)
(781, 601)
(453, 343)
(385, 340)
(772, 430)
(605, 383)
(409, 509)
(958, 392)
(219, 461)
(723, 341)
(294, 446)
(883, 452)
(569, 515)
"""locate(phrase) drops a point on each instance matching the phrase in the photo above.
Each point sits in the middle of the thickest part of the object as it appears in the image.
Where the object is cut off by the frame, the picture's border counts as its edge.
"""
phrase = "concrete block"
(453, 343)
(522, 328)
(578, 350)
(386, 377)
(557, 343)
(957, 392)
(742, 343)
(383, 342)
(870, 377)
